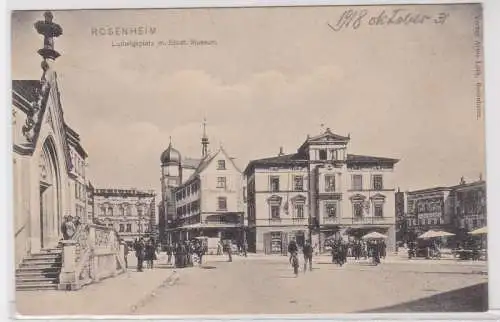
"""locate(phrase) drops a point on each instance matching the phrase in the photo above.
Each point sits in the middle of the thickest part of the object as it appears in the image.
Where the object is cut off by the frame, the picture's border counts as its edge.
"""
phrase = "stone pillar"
(68, 279)
(121, 254)
(391, 239)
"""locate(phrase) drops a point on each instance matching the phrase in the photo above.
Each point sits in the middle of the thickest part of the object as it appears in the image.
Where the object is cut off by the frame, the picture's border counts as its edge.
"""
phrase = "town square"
(163, 180)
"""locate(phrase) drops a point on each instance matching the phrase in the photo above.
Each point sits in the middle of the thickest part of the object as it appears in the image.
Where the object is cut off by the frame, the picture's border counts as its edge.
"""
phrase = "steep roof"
(74, 140)
(190, 163)
(205, 162)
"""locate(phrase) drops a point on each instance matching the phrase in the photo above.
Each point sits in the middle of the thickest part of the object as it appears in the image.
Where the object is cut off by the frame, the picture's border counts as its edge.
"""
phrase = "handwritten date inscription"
(357, 18)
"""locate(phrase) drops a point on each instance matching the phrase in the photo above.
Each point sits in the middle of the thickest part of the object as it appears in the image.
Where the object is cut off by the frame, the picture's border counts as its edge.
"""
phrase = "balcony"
(331, 221)
(289, 221)
(373, 220)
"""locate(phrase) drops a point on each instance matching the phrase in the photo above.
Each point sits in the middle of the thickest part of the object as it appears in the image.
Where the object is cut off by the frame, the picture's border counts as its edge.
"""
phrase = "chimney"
(281, 151)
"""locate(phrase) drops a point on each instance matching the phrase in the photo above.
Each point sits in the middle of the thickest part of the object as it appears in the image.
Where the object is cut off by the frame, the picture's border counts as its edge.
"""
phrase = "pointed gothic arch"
(50, 214)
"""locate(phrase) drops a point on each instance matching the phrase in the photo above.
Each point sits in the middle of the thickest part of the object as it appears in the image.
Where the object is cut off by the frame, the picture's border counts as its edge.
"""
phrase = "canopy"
(480, 231)
(374, 235)
(435, 234)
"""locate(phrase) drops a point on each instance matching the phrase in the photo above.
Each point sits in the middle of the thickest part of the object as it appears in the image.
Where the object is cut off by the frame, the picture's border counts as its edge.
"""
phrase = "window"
(298, 183)
(331, 209)
(122, 211)
(357, 182)
(139, 211)
(379, 210)
(188, 190)
(103, 211)
(222, 203)
(110, 211)
(275, 184)
(358, 210)
(221, 182)
(129, 211)
(299, 210)
(329, 183)
(122, 228)
(221, 165)
(378, 183)
(322, 155)
(438, 221)
(275, 211)
(426, 221)
(129, 228)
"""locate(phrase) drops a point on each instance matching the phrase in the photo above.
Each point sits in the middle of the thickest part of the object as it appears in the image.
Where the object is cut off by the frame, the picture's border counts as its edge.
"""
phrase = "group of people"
(145, 251)
(69, 226)
(340, 251)
(307, 251)
(186, 253)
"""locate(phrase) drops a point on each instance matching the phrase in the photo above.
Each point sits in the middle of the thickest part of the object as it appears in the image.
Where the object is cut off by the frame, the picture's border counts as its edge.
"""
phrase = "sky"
(267, 79)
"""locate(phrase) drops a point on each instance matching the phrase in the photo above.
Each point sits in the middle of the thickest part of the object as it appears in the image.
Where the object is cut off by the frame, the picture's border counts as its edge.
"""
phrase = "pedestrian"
(140, 254)
(169, 254)
(229, 250)
(245, 248)
(125, 254)
(308, 254)
(219, 248)
(150, 255)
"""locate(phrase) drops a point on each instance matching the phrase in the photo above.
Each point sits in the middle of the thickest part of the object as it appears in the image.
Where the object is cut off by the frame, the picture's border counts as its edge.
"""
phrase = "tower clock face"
(172, 182)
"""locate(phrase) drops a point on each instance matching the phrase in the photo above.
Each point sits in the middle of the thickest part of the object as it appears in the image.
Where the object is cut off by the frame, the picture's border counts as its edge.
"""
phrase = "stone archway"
(50, 195)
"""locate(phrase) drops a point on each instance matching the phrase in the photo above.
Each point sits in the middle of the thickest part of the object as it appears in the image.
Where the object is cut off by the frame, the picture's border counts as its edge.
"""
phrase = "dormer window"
(221, 165)
(323, 155)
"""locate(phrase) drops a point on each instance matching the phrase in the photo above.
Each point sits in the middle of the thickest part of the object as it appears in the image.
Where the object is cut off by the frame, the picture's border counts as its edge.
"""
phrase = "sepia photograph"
(252, 160)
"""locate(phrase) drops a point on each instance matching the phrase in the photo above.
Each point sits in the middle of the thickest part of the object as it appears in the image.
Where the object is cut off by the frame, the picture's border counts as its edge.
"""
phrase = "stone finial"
(49, 30)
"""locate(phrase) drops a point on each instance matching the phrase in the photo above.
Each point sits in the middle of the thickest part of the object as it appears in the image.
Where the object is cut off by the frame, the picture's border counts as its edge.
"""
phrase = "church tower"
(171, 177)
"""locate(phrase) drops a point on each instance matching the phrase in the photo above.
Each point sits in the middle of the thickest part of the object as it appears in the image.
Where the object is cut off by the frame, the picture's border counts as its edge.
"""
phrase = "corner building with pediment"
(319, 192)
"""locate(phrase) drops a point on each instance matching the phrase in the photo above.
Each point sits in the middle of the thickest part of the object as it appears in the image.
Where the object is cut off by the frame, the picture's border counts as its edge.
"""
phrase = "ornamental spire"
(204, 140)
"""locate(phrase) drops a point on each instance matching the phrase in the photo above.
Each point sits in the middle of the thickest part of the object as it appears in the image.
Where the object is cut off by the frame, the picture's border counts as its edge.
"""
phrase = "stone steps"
(39, 271)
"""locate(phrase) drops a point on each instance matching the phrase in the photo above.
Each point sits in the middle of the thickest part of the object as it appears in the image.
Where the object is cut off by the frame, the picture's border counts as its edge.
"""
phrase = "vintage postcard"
(257, 160)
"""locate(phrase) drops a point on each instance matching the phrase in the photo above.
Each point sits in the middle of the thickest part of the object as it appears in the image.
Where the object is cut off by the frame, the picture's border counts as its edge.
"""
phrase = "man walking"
(308, 254)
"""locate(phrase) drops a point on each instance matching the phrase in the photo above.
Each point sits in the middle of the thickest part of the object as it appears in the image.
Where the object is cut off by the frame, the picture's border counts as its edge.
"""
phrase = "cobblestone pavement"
(266, 285)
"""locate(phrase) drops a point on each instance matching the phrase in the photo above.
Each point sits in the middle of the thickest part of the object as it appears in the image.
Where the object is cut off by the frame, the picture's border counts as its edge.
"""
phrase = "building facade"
(458, 209)
(174, 172)
(430, 209)
(470, 205)
(131, 212)
(48, 159)
(320, 192)
(210, 201)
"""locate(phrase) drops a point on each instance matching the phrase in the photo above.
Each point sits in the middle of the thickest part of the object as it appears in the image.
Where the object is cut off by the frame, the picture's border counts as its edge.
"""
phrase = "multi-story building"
(201, 196)
(470, 205)
(458, 209)
(321, 191)
(78, 184)
(210, 202)
(174, 171)
(429, 209)
(131, 212)
(48, 160)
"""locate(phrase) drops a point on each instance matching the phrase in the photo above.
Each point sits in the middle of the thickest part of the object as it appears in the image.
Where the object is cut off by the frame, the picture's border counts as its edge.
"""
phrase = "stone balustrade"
(94, 253)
